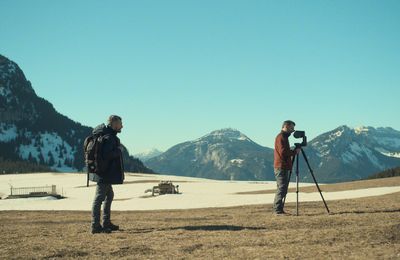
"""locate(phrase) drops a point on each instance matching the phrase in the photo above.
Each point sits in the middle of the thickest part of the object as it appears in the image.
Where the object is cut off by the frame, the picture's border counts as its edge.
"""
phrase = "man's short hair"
(113, 118)
(288, 122)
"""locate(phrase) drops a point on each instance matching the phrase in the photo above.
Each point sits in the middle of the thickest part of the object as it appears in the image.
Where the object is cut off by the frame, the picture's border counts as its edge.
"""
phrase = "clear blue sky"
(176, 70)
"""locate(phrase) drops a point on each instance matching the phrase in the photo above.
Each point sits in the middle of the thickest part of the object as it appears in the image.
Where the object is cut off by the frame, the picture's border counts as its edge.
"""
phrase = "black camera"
(300, 134)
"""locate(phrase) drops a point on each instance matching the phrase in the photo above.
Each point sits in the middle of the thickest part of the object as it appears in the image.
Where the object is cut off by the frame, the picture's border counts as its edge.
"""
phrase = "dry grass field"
(365, 228)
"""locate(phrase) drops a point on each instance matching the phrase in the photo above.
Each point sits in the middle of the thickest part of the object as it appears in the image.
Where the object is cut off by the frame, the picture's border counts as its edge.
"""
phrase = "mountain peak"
(227, 133)
(362, 129)
(221, 154)
(12, 81)
(148, 154)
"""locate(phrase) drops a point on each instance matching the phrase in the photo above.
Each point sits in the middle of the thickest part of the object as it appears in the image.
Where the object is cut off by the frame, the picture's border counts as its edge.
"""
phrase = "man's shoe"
(100, 229)
(281, 213)
(111, 226)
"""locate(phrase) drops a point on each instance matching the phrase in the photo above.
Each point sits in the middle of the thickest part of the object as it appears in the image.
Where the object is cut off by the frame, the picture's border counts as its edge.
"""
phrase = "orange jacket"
(282, 153)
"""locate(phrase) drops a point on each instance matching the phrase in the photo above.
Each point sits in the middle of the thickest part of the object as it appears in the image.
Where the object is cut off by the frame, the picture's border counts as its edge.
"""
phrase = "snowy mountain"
(222, 154)
(339, 155)
(354, 153)
(32, 130)
(146, 155)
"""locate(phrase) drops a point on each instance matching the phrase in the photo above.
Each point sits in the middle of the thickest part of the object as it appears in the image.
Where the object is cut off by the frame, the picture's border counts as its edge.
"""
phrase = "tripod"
(296, 158)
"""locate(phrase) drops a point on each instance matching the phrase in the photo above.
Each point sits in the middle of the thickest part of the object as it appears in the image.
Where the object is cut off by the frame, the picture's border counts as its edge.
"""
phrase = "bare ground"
(367, 228)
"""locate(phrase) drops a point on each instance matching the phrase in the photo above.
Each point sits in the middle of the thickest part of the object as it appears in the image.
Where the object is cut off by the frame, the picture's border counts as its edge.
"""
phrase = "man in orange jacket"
(283, 163)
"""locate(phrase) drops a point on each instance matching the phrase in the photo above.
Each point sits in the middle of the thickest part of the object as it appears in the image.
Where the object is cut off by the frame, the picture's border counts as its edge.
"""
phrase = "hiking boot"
(99, 229)
(281, 213)
(111, 226)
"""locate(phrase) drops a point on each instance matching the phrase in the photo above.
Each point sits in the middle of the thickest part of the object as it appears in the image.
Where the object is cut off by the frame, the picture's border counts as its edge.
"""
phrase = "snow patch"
(8, 132)
(238, 162)
(333, 136)
(361, 129)
(229, 133)
(356, 151)
(242, 137)
(47, 146)
(389, 154)
(338, 133)
(196, 193)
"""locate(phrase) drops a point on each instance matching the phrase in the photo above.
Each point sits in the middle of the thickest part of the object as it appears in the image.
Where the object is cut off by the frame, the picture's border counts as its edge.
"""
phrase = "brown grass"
(367, 228)
(354, 185)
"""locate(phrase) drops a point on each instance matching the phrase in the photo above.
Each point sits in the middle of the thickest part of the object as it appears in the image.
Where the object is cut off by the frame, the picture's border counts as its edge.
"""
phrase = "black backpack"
(92, 147)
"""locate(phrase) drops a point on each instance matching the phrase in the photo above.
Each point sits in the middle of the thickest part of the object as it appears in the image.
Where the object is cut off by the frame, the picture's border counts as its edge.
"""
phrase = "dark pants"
(282, 187)
(104, 192)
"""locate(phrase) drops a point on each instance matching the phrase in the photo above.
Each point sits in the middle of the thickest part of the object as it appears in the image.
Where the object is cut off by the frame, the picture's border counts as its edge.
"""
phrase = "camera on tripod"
(300, 134)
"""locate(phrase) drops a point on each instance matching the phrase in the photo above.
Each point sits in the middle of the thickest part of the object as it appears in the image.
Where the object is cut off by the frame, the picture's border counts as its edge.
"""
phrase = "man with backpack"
(103, 152)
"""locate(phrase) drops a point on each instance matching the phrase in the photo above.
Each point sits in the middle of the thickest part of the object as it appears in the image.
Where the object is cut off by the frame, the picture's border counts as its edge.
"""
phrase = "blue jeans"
(281, 176)
(104, 192)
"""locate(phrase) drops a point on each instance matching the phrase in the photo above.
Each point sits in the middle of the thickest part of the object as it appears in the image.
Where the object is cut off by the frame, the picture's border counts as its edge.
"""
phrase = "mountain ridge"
(341, 154)
(32, 130)
(221, 154)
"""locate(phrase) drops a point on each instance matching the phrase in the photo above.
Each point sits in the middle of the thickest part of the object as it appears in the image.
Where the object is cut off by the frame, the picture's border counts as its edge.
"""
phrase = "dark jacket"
(113, 172)
(282, 153)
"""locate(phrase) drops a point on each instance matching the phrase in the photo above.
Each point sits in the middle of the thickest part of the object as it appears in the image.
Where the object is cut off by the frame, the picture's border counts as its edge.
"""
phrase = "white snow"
(196, 193)
(332, 137)
(390, 154)
(338, 133)
(8, 132)
(361, 129)
(238, 162)
(242, 137)
(323, 150)
(227, 133)
(356, 151)
(148, 154)
(51, 143)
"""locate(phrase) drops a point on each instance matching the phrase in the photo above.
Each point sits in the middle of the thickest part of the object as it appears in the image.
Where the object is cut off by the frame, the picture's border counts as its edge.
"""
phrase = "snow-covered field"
(196, 193)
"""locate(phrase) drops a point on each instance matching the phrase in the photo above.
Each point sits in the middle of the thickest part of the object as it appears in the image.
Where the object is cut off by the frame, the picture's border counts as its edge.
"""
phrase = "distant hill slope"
(225, 154)
(32, 130)
(394, 172)
(144, 156)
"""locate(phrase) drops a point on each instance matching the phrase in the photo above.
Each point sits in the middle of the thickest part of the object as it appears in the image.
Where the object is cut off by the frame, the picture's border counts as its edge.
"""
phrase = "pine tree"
(51, 159)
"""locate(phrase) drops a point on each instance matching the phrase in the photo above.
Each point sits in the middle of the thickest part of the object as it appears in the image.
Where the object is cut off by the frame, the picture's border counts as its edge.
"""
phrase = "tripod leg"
(315, 181)
(297, 185)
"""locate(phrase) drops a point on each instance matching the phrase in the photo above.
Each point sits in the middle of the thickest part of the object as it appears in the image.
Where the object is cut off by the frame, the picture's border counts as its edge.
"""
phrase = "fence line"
(51, 190)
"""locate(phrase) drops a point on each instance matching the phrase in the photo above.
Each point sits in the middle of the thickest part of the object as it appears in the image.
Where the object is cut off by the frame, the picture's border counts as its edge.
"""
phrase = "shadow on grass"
(197, 228)
(217, 228)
